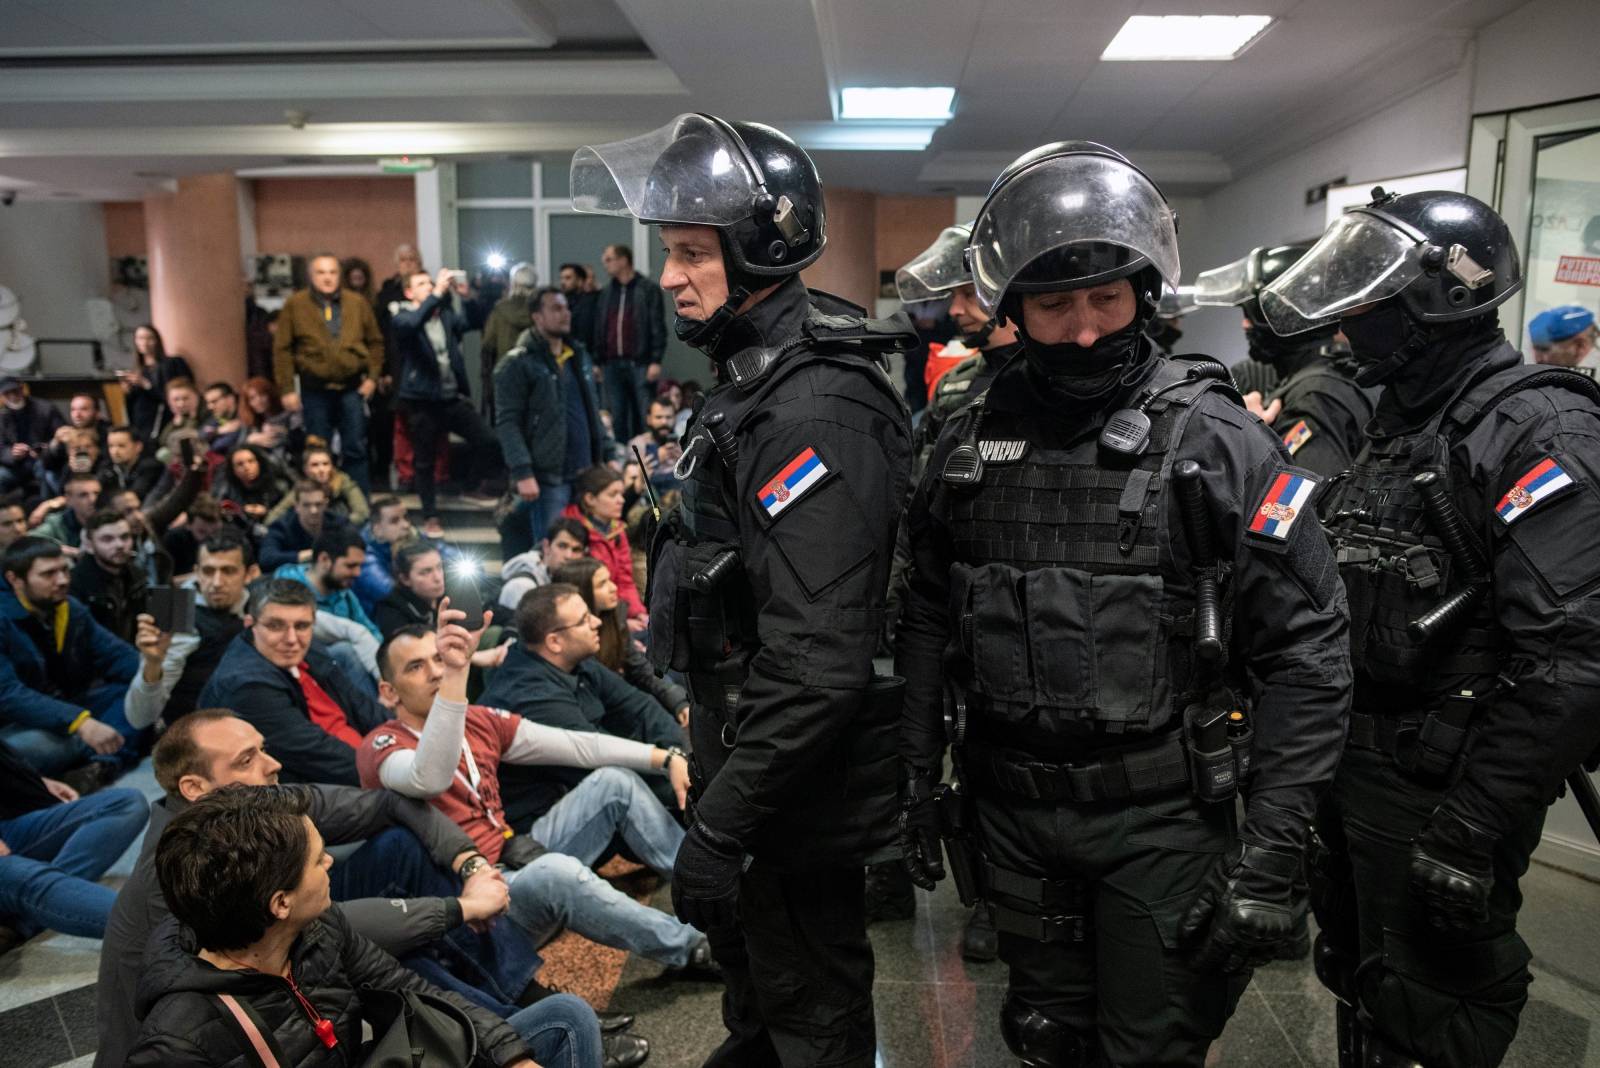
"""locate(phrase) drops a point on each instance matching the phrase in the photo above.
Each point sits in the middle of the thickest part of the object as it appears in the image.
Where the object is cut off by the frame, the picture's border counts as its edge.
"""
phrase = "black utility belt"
(1427, 746)
(1159, 768)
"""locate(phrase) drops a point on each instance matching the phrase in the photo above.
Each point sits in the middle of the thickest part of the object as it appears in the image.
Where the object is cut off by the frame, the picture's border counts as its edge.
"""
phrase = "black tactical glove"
(1452, 871)
(705, 878)
(920, 844)
(1245, 909)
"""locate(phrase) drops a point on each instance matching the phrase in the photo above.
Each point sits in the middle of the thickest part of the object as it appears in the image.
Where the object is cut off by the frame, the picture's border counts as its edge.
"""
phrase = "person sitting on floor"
(106, 578)
(618, 649)
(54, 846)
(551, 676)
(346, 502)
(565, 540)
(290, 537)
(343, 626)
(245, 873)
(311, 713)
(409, 888)
(63, 677)
(441, 749)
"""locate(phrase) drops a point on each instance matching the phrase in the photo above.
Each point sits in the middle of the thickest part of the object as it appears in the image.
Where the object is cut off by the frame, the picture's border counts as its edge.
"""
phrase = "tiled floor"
(934, 1009)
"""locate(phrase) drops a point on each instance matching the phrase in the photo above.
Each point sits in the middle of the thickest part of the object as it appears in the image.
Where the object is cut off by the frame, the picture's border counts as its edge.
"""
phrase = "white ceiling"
(94, 91)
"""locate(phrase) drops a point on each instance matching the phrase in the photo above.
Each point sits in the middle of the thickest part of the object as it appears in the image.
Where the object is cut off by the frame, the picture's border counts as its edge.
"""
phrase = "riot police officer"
(1322, 412)
(939, 272)
(1115, 676)
(1474, 626)
(767, 584)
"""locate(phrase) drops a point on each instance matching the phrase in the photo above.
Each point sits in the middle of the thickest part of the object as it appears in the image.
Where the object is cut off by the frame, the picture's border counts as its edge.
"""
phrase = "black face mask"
(1084, 373)
(1378, 341)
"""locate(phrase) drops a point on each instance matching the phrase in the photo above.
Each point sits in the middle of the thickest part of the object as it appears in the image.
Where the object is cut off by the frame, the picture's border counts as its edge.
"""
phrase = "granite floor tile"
(33, 1036)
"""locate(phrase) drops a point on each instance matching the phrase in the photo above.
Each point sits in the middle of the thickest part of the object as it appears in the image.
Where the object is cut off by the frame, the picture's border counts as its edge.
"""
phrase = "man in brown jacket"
(330, 338)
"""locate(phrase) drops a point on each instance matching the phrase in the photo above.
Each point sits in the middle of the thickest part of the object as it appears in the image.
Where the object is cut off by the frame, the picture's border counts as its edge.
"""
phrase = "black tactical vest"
(1067, 612)
(1395, 564)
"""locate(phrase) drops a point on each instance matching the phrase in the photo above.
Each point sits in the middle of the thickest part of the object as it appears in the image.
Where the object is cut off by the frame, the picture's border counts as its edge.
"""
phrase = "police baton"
(649, 490)
(1197, 529)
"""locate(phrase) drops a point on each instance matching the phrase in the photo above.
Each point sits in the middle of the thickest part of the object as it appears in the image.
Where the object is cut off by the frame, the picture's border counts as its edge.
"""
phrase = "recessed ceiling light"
(1181, 37)
(926, 103)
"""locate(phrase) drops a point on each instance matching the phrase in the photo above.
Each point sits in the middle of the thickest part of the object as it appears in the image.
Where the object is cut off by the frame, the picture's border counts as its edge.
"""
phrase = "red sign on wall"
(1579, 270)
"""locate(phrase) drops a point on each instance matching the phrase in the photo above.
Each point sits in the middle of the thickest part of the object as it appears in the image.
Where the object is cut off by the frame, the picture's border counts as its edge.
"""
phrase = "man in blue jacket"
(63, 677)
(311, 713)
(432, 391)
(546, 414)
(551, 676)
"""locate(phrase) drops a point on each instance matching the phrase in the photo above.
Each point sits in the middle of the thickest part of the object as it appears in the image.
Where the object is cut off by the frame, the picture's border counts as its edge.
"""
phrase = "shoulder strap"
(1484, 397)
(248, 1027)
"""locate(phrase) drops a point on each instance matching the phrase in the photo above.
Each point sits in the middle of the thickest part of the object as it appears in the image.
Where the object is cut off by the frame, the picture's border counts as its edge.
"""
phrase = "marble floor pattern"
(934, 1009)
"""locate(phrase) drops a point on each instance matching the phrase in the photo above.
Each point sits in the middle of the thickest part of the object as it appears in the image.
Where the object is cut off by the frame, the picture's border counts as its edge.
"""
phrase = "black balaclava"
(1082, 374)
(1419, 364)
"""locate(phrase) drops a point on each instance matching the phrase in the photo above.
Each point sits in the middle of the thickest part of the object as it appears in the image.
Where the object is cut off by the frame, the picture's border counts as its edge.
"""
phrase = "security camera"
(9, 197)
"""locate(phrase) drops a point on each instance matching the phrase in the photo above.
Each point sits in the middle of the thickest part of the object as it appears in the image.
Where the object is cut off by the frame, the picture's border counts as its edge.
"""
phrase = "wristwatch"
(675, 751)
(470, 866)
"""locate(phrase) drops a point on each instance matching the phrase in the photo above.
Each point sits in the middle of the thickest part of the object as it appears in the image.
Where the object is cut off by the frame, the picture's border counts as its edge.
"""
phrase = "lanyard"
(470, 781)
(322, 1026)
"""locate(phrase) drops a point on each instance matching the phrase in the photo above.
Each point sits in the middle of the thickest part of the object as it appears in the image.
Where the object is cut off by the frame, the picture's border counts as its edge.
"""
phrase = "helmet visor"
(1176, 303)
(1225, 287)
(1361, 259)
(938, 269)
(1083, 202)
(691, 171)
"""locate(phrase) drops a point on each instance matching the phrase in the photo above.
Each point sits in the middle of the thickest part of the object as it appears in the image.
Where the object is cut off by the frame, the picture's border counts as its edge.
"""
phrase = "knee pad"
(1453, 1005)
(1040, 1042)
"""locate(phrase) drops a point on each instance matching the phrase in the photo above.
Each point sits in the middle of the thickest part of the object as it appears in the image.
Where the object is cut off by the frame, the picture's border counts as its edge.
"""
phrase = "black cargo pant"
(1128, 989)
(1445, 997)
(798, 969)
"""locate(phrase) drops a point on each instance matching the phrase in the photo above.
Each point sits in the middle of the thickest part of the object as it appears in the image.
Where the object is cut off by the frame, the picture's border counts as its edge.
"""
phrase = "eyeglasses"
(588, 617)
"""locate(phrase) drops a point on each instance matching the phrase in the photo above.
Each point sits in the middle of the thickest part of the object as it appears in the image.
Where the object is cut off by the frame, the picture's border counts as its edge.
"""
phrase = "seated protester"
(223, 428)
(202, 519)
(618, 650)
(245, 874)
(83, 413)
(248, 485)
(597, 504)
(106, 579)
(311, 713)
(13, 521)
(81, 496)
(63, 676)
(389, 527)
(174, 667)
(336, 558)
(419, 586)
(441, 749)
(279, 432)
(183, 401)
(125, 466)
(56, 846)
(551, 676)
(290, 537)
(402, 889)
(658, 444)
(346, 502)
(27, 426)
(566, 540)
(74, 451)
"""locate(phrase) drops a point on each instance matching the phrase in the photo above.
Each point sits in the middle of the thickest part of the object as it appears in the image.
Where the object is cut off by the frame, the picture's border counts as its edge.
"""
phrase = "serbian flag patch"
(789, 484)
(1546, 478)
(1282, 505)
(1297, 436)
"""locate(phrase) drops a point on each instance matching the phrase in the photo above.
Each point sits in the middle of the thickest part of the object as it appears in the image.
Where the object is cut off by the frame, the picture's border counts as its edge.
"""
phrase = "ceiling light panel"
(910, 104)
(1185, 37)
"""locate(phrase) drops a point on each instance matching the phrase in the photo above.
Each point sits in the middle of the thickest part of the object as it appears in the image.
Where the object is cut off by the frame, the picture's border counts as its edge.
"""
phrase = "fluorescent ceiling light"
(1172, 37)
(927, 103)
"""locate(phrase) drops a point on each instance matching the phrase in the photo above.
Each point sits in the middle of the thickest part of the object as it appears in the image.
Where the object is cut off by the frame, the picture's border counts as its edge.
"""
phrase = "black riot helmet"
(751, 182)
(1069, 215)
(1072, 215)
(1446, 257)
(1239, 285)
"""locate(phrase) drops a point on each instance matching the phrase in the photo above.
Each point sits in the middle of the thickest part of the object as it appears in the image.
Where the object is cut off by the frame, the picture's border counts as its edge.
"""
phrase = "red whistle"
(324, 1029)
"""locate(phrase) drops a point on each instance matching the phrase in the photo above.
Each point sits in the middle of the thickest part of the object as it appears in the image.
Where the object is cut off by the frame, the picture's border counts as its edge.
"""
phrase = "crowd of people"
(227, 580)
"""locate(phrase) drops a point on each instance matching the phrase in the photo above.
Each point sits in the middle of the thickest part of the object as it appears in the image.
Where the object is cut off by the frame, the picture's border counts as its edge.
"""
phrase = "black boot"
(980, 942)
(624, 1051)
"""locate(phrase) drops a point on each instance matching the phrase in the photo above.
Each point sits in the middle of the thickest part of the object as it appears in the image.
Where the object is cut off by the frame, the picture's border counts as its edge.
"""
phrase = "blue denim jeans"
(560, 890)
(624, 397)
(491, 969)
(553, 497)
(561, 1031)
(327, 410)
(51, 752)
(57, 853)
